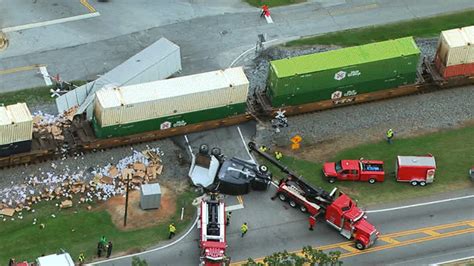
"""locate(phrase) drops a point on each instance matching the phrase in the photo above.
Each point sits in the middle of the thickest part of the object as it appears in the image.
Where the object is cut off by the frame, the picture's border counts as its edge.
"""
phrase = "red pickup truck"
(354, 170)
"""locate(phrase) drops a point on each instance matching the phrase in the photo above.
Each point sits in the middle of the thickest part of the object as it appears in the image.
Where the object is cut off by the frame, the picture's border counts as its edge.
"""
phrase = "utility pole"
(126, 203)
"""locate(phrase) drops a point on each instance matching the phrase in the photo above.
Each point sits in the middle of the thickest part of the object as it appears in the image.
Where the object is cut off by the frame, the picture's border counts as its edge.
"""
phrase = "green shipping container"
(344, 72)
(167, 122)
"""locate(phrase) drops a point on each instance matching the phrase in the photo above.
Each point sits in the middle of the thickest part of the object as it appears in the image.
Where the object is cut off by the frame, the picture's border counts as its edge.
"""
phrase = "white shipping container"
(16, 123)
(158, 61)
(469, 33)
(123, 105)
(453, 47)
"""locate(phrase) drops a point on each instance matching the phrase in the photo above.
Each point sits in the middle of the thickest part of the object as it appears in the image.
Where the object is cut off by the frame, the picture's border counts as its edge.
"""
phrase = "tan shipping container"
(16, 123)
(453, 47)
(170, 97)
(469, 33)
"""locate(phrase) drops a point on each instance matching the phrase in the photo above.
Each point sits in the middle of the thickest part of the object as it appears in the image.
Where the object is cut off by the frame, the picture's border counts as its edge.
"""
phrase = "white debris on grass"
(34, 185)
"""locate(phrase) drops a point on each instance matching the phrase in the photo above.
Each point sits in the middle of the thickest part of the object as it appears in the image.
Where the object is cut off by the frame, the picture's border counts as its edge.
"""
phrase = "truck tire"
(293, 204)
(282, 196)
(422, 183)
(331, 180)
(359, 245)
(263, 168)
(204, 149)
(303, 209)
(414, 183)
(372, 180)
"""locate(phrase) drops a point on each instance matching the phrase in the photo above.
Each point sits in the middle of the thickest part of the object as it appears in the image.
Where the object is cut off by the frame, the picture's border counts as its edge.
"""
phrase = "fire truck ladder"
(313, 194)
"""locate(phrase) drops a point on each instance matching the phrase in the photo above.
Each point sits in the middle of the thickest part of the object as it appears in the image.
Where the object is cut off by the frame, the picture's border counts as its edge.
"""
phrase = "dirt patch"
(138, 218)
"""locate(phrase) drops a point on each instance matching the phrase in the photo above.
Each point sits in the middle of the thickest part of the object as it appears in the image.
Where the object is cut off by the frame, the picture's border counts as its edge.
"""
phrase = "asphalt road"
(278, 227)
(210, 35)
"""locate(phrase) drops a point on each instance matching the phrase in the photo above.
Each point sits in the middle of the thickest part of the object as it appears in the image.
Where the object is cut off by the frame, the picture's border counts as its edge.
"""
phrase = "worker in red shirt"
(312, 222)
(265, 11)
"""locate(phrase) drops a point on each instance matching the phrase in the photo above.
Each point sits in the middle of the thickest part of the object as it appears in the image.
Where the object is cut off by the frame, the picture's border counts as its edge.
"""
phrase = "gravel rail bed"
(405, 115)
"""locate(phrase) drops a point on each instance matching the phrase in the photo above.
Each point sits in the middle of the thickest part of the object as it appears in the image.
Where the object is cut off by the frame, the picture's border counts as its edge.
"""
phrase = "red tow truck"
(354, 170)
(212, 240)
(339, 211)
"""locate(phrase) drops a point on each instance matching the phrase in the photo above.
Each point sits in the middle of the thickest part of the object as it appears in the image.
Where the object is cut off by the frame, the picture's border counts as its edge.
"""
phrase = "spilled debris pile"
(81, 187)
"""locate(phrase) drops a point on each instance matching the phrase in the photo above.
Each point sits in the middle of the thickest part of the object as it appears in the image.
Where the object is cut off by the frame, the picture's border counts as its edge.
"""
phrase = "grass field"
(24, 241)
(453, 151)
(427, 27)
(32, 96)
(272, 3)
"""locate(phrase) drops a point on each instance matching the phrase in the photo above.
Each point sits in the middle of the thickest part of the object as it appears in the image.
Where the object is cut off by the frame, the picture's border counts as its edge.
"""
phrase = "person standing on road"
(172, 230)
(244, 228)
(263, 148)
(278, 155)
(227, 218)
(109, 249)
(390, 134)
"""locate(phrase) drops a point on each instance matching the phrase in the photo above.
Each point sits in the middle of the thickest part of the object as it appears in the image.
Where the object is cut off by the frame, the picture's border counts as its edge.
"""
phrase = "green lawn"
(32, 96)
(272, 3)
(453, 151)
(24, 241)
(427, 27)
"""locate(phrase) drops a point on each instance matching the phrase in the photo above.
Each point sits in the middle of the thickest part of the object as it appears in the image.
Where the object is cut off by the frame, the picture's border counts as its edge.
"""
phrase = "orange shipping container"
(453, 71)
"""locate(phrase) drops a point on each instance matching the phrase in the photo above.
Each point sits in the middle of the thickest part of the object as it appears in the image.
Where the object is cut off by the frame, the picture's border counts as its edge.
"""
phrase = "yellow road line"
(20, 69)
(88, 6)
(431, 233)
(392, 243)
(389, 240)
(349, 248)
(409, 242)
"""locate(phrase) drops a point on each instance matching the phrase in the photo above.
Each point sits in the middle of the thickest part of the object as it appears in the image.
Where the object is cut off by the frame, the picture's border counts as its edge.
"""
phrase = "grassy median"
(453, 151)
(78, 230)
(32, 96)
(426, 27)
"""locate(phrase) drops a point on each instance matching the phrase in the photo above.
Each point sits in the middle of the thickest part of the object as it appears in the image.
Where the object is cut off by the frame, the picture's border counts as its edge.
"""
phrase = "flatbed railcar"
(80, 136)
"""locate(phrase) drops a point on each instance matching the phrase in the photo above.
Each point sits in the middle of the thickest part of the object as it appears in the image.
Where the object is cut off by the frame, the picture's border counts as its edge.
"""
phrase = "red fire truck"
(339, 211)
(212, 231)
(354, 170)
(418, 170)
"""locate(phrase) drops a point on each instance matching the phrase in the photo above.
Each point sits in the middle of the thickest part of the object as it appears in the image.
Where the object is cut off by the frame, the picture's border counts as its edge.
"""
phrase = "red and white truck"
(212, 241)
(418, 170)
(354, 170)
(339, 211)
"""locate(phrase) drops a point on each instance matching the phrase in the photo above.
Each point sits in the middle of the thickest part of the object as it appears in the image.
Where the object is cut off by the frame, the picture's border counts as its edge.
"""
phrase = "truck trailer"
(418, 170)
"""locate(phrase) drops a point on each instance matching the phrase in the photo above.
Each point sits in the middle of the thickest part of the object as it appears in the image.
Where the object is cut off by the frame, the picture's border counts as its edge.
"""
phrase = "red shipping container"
(455, 70)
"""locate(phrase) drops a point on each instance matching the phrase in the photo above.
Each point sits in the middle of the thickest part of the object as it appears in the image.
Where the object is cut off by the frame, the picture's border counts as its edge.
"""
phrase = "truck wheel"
(422, 183)
(331, 180)
(372, 181)
(282, 196)
(359, 245)
(292, 204)
(414, 183)
(263, 168)
(303, 208)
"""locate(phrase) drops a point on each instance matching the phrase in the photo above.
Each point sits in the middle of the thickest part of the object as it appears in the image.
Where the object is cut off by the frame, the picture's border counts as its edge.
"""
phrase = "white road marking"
(451, 261)
(245, 146)
(151, 250)
(50, 22)
(45, 74)
(189, 145)
(234, 207)
(421, 204)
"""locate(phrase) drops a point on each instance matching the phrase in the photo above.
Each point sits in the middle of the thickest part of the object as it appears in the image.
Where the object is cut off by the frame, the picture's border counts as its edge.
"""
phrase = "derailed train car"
(16, 129)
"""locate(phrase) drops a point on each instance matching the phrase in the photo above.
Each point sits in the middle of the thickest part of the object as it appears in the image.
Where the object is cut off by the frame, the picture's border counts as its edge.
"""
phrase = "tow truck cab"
(344, 215)
(354, 170)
